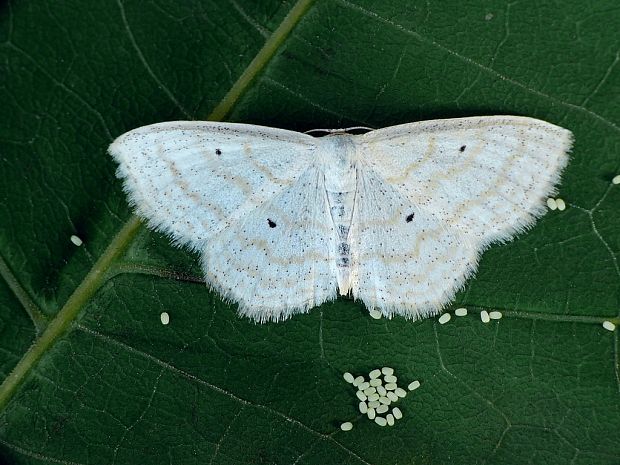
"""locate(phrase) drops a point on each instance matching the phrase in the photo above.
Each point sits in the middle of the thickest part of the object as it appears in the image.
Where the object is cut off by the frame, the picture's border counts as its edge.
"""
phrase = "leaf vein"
(196, 379)
(145, 63)
(481, 66)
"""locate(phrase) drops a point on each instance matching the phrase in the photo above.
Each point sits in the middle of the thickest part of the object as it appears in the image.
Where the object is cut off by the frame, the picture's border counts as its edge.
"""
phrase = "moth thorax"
(339, 163)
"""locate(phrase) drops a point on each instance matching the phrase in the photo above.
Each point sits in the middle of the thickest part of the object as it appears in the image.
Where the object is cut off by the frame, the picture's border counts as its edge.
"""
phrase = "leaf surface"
(91, 375)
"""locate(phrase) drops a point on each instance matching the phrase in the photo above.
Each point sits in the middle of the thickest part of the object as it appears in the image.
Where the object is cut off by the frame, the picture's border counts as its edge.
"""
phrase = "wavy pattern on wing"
(279, 259)
(405, 260)
(193, 179)
(487, 176)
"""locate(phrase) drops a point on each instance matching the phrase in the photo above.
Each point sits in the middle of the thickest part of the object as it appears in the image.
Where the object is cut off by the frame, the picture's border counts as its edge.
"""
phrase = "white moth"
(396, 217)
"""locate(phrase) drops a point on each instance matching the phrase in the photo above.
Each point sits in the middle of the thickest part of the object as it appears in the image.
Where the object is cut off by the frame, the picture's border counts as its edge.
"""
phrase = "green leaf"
(90, 374)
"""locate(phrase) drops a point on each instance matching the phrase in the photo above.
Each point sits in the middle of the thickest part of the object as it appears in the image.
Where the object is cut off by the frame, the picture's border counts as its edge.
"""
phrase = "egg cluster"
(376, 396)
(484, 315)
